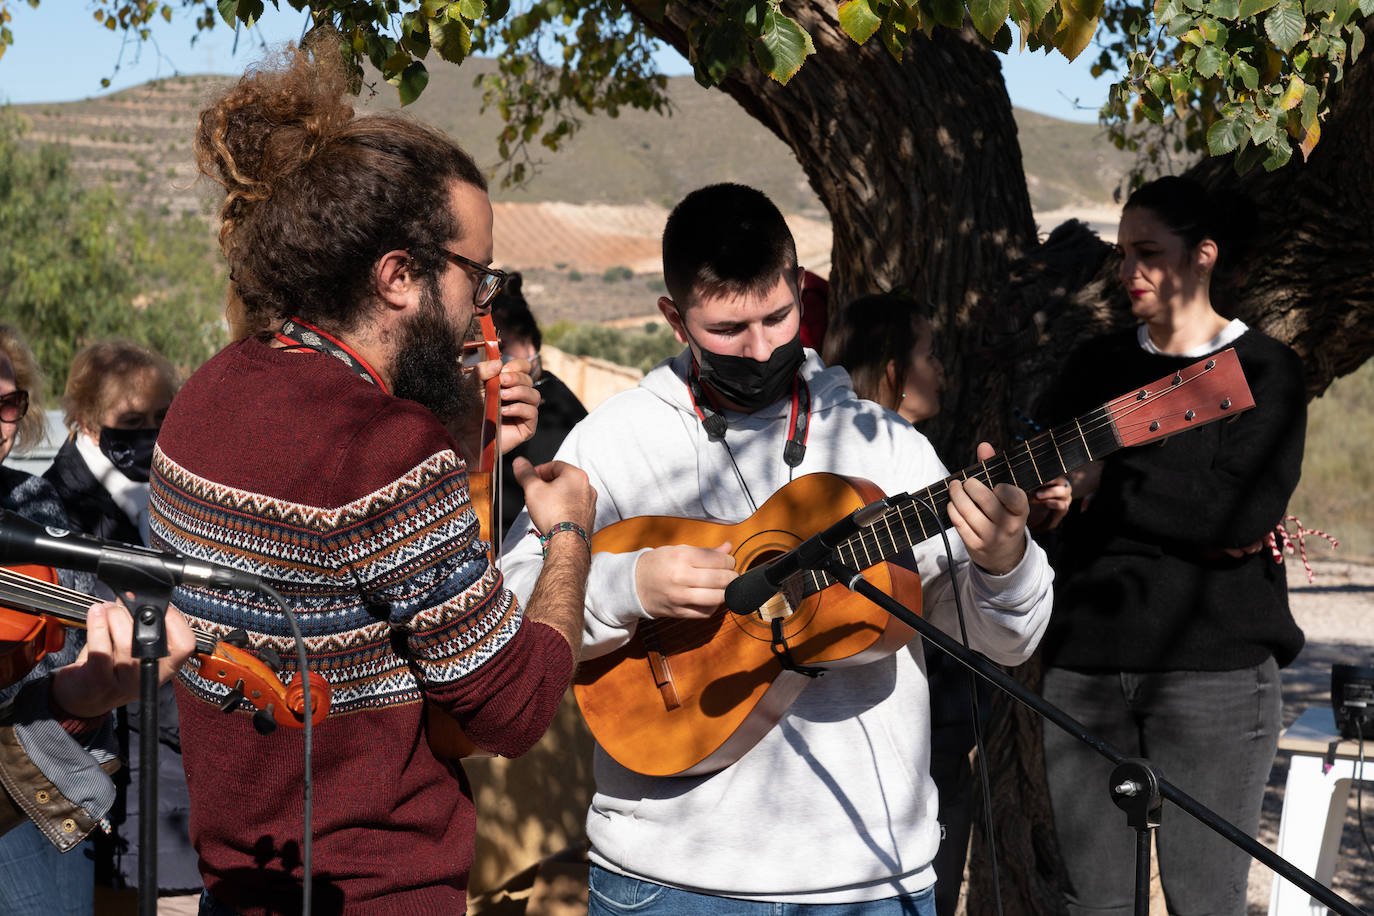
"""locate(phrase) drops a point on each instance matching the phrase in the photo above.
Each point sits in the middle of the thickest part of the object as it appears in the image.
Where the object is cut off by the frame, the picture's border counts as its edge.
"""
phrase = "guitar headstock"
(1210, 389)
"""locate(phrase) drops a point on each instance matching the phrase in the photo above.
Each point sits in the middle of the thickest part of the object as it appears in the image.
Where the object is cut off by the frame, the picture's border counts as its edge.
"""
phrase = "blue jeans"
(37, 880)
(611, 894)
(1210, 733)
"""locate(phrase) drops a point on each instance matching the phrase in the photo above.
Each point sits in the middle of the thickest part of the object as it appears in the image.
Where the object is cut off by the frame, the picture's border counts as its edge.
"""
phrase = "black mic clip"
(751, 590)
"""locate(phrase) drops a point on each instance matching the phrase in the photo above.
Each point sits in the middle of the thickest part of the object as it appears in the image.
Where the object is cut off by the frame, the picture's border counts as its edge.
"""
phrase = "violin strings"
(67, 604)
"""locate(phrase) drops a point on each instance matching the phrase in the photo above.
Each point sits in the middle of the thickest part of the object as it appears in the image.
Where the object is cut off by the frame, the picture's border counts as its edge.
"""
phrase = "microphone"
(749, 591)
(24, 541)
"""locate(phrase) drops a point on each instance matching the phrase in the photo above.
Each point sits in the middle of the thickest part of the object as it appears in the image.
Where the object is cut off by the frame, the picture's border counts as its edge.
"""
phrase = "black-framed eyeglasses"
(14, 406)
(489, 279)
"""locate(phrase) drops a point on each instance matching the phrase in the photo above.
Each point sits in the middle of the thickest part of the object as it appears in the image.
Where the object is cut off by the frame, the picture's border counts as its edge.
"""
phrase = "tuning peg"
(264, 720)
(237, 638)
(233, 698)
(270, 657)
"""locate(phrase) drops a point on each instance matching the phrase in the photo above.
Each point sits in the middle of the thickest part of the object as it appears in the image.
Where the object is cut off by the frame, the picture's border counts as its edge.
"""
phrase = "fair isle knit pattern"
(354, 505)
(409, 548)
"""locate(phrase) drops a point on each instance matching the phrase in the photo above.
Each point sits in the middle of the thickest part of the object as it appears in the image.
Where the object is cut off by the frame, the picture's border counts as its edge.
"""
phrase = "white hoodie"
(835, 804)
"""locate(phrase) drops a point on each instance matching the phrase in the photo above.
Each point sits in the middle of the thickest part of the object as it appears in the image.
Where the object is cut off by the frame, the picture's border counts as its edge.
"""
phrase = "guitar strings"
(873, 545)
(1115, 413)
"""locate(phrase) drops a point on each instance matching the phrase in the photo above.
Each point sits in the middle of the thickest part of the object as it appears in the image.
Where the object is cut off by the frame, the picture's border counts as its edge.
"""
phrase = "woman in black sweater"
(1171, 617)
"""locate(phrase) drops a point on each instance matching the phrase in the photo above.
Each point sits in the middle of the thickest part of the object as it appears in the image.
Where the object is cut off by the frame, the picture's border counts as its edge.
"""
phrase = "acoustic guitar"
(691, 696)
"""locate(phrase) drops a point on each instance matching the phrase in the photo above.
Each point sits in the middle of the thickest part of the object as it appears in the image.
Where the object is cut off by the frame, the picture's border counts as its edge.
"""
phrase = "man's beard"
(428, 364)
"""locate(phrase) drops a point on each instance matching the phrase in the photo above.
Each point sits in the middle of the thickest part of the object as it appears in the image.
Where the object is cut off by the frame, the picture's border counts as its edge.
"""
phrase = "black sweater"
(1142, 580)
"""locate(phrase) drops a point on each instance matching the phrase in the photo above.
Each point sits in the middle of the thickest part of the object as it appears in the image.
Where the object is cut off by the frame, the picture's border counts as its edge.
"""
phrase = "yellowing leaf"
(1075, 32)
(1310, 138)
(858, 20)
(1293, 97)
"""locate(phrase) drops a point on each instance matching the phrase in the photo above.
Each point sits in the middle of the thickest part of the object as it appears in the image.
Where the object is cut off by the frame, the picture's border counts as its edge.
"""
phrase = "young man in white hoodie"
(834, 805)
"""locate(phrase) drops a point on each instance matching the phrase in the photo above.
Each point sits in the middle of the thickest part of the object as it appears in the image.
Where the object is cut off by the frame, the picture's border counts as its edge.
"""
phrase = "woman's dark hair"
(511, 313)
(870, 332)
(725, 239)
(1194, 213)
(314, 196)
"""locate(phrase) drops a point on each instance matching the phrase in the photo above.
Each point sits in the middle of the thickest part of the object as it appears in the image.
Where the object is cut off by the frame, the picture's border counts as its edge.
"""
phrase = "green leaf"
(782, 46)
(1181, 84)
(229, 11)
(249, 12)
(1284, 25)
(1311, 102)
(166, 12)
(1367, 7)
(1249, 8)
(1248, 74)
(1356, 42)
(1037, 9)
(1248, 157)
(1279, 153)
(949, 13)
(1224, 9)
(472, 10)
(858, 20)
(1263, 131)
(451, 39)
(988, 16)
(412, 82)
(1209, 61)
(1226, 135)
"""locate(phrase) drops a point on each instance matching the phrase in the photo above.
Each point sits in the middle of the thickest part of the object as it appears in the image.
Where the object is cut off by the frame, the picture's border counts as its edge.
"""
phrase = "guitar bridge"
(775, 608)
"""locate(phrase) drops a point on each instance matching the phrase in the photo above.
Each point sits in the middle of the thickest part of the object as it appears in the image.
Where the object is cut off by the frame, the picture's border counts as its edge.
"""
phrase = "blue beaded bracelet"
(563, 526)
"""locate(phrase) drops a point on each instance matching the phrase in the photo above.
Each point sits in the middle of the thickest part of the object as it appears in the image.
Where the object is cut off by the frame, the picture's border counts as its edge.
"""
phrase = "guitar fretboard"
(1029, 465)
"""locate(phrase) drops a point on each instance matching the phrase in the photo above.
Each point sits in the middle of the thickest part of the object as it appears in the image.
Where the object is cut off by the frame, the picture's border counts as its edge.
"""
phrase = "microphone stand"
(1134, 785)
(146, 592)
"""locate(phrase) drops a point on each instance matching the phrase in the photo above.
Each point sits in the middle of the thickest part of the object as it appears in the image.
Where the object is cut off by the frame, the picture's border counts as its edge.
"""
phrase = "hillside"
(585, 229)
(140, 138)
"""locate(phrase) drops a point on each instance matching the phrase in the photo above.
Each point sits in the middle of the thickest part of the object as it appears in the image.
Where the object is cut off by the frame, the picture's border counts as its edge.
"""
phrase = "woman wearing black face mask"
(116, 396)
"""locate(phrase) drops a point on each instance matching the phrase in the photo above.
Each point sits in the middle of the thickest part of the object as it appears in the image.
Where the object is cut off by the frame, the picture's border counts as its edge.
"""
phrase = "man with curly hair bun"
(321, 451)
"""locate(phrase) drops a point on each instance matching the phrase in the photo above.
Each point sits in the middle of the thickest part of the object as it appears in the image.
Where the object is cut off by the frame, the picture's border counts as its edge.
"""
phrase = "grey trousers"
(1212, 734)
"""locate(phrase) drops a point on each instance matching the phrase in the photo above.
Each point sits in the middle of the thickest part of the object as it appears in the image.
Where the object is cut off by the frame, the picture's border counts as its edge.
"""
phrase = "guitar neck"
(919, 516)
(1211, 389)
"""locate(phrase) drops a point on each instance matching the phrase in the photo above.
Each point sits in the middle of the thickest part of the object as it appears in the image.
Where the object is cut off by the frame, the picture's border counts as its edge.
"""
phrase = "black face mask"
(747, 382)
(129, 450)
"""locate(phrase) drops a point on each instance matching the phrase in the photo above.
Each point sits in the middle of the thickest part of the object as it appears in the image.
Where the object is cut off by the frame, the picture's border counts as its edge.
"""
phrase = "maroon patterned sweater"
(354, 504)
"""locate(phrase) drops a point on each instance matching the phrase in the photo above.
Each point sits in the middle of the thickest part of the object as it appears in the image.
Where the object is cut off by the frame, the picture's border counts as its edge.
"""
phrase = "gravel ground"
(1336, 612)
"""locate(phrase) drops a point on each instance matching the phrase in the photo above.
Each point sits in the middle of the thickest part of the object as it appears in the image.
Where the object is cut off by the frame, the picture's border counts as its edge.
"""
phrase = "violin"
(484, 480)
(446, 737)
(34, 608)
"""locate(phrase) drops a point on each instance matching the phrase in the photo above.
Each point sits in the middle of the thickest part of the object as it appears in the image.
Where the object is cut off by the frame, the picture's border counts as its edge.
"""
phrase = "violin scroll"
(250, 679)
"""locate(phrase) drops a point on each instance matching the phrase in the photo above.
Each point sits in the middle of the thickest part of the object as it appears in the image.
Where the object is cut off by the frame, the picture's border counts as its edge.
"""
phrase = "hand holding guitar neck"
(991, 521)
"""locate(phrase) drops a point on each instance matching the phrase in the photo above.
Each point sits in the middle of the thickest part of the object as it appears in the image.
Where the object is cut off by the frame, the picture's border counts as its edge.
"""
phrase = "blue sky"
(32, 71)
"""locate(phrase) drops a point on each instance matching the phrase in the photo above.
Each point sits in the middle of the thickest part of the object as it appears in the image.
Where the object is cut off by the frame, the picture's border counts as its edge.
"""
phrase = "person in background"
(56, 744)
(559, 409)
(885, 342)
(116, 396)
(833, 809)
(1170, 624)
